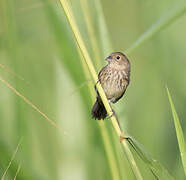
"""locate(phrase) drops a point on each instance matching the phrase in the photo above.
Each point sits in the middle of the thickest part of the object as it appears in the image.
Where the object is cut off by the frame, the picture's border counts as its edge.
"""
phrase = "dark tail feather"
(98, 111)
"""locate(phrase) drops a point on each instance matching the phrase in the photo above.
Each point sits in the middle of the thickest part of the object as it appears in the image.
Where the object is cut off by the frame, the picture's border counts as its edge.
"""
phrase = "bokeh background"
(39, 57)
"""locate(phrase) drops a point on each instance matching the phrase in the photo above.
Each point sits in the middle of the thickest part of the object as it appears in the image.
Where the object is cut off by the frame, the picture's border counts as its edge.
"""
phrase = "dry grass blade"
(31, 104)
(18, 169)
(12, 72)
(13, 157)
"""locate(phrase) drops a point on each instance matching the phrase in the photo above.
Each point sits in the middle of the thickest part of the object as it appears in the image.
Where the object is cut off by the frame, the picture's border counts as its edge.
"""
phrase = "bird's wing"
(99, 78)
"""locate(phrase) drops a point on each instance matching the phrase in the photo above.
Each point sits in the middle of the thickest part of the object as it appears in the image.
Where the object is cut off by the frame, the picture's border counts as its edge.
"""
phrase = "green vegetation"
(50, 52)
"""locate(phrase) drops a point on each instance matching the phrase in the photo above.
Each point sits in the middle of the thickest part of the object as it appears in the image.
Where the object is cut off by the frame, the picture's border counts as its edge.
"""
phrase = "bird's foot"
(122, 137)
(112, 114)
(98, 81)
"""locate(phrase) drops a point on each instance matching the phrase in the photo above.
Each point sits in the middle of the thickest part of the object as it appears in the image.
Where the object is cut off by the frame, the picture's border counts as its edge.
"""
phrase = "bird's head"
(117, 58)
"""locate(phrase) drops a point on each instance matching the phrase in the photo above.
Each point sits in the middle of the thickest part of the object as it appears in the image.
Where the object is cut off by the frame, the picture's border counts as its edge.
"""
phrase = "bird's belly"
(112, 90)
(114, 84)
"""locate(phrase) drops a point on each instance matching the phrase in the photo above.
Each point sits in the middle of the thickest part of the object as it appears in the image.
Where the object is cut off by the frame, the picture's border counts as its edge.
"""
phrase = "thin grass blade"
(168, 18)
(103, 30)
(179, 132)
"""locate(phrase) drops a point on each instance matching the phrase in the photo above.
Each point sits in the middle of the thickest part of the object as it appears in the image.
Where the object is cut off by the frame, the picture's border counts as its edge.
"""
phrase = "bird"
(114, 79)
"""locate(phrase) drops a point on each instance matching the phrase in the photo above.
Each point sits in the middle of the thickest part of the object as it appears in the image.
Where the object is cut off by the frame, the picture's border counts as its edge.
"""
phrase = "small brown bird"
(114, 79)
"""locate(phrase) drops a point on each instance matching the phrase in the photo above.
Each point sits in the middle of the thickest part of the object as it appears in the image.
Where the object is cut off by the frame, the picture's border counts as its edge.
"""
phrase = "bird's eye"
(118, 57)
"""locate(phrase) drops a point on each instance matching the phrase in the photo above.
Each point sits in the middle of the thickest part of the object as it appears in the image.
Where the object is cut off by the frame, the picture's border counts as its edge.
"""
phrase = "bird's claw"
(112, 114)
(98, 81)
(122, 137)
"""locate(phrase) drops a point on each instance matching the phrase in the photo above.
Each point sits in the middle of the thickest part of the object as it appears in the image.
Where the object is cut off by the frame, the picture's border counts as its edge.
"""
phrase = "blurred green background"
(39, 57)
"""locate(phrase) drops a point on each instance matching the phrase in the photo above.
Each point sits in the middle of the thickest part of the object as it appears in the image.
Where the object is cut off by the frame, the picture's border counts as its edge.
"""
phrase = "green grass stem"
(93, 73)
(91, 32)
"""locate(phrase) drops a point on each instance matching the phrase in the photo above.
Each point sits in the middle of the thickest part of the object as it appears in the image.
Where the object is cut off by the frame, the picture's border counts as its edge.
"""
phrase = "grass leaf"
(166, 19)
(179, 132)
(156, 168)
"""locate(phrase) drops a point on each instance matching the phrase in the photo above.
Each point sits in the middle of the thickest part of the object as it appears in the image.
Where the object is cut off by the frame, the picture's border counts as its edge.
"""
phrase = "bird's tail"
(98, 110)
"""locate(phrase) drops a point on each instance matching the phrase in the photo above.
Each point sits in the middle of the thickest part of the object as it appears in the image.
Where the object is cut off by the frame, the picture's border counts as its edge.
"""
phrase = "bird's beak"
(109, 58)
